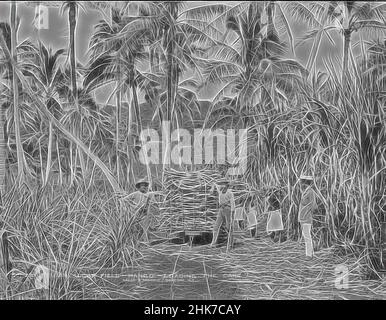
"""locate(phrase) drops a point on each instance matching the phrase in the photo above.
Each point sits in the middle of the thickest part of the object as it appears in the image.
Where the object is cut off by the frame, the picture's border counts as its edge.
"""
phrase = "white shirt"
(226, 198)
(307, 205)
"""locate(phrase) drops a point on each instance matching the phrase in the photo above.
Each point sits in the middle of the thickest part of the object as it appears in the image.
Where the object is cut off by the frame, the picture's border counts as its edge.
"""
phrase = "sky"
(56, 35)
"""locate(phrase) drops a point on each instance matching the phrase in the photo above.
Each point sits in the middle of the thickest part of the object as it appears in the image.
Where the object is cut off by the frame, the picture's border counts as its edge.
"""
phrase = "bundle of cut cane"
(189, 202)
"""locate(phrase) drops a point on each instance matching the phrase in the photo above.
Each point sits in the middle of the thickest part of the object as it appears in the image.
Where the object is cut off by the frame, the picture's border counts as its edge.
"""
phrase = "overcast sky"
(57, 33)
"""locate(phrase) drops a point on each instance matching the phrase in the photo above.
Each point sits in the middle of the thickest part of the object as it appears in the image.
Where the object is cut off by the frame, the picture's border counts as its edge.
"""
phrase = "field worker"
(252, 217)
(307, 206)
(140, 203)
(239, 218)
(226, 210)
(275, 223)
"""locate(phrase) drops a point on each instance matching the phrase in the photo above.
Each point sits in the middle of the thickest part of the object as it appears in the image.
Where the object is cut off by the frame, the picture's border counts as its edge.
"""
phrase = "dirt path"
(254, 269)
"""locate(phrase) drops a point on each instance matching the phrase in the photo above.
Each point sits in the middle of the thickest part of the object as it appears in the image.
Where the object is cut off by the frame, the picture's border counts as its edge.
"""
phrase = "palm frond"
(284, 25)
(302, 13)
(216, 70)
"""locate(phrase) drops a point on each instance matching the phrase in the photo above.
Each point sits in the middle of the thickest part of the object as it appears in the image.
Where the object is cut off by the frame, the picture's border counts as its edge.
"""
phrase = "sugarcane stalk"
(5, 263)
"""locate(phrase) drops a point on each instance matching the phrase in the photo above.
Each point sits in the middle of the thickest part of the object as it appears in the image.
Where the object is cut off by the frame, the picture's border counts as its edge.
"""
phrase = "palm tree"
(251, 68)
(177, 31)
(90, 125)
(5, 34)
(154, 85)
(46, 73)
(25, 51)
(15, 88)
(346, 17)
(174, 32)
(72, 7)
(91, 122)
(11, 50)
(109, 63)
(278, 21)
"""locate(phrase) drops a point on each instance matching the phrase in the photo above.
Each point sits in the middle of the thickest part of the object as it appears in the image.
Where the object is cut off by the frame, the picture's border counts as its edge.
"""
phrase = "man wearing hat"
(226, 202)
(140, 202)
(307, 206)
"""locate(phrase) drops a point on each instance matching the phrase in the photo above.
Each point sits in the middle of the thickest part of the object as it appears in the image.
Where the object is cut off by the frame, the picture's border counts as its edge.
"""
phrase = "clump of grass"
(69, 234)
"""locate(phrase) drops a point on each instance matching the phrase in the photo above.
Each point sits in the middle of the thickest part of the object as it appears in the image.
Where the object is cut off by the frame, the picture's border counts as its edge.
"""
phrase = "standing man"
(307, 206)
(140, 202)
(252, 217)
(226, 202)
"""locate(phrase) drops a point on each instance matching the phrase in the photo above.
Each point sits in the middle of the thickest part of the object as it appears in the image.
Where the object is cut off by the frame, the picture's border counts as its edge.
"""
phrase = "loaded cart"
(189, 207)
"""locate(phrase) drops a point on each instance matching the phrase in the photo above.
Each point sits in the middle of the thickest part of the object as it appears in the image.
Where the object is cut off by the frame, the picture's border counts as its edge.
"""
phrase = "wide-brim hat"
(141, 181)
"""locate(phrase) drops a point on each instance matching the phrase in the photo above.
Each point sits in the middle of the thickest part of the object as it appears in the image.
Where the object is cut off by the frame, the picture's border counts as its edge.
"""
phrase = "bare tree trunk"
(3, 133)
(169, 39)
(77, 152)
(169, 102)
(136, 106)
(49, 154)
(3, 152)
(129, 136)
(270, 15)
(15, 87)
(152, 61)
(74, 90)
(118, 118)
(5, 263)
(346, 47)
(72, 25)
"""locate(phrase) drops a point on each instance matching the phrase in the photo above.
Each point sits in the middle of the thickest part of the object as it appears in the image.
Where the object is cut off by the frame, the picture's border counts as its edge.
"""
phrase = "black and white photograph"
(192, 150)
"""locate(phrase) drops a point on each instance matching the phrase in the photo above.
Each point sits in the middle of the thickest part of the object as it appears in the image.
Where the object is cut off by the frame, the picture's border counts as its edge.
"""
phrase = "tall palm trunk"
(74, 93)
(136, 105)
(15, 88)
(3, 128)
(3, 151)
(270, 18)
(169, 102)
(346, 48)
(169, 38)
(49, 154)
(170, 85)
(72, 24)
(118, 118)
(152, 60)
(129, 136)
(72, 7)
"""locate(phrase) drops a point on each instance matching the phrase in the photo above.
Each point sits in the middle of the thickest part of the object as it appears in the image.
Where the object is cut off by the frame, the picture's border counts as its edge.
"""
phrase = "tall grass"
(340, 139)
(69, 231)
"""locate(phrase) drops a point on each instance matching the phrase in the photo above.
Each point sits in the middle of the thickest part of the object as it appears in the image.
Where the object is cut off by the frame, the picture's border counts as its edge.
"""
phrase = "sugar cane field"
(192, 150)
